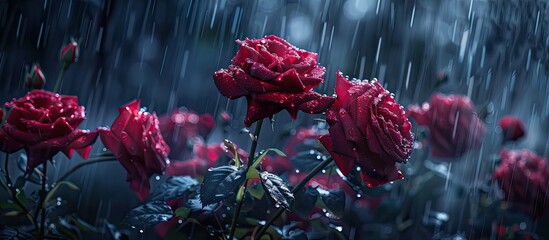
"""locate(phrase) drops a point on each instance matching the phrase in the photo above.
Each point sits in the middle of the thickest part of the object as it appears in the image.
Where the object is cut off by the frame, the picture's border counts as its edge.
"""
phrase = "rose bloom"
(180, 127)
(454, 126)
(367, 128)
(135, 140)
(273, 75)
(45, 123)
(512, 128)
(523, 176)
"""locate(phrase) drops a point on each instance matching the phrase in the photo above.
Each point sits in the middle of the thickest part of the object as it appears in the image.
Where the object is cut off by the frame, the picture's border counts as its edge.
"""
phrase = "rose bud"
(36, 78)
(454, 126)
(523, 176)
(136, 142)
(45, 123)
(273, 75)
(69, 53)
(369, 129)
(512, 128)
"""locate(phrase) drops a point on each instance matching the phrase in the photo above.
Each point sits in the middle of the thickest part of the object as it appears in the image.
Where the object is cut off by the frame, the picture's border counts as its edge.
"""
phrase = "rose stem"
(42, 206)
(82, 164)
(296, 189)
(249, 163)
(10, 189)
(59, 77)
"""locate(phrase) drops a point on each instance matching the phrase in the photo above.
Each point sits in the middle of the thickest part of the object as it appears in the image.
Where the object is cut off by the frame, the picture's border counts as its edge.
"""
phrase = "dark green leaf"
(149, 214)
(115, 233)
(277, 189)
(305, 201)
(173, 187)
(195, 205)
(14, 234)
(221, 182)
(182, 212)
(20, 182)
(291, 232)
(81, 223)
(334, 200)
(66, 228)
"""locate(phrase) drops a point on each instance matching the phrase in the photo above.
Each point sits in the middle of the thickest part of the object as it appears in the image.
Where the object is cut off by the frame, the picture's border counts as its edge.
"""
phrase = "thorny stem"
(296, 189)
(249, 163)
(10, 189)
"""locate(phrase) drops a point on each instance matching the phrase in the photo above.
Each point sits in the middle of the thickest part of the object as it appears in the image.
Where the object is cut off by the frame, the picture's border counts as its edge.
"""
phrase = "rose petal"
(258, 110)
(345, 164)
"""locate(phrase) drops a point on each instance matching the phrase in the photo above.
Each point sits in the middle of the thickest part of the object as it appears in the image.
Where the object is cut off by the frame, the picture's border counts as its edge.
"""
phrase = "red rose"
(180, 127)
(273, 75)
(523, 176)
(136, 141)
(512, 128)
(45, 123)
(1, 116)
(454, 126)
(369, 128)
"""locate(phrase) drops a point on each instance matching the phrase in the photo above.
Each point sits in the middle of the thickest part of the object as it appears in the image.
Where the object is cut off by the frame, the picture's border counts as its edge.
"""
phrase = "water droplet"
(141, 231)
(297, 171)
(157, 178)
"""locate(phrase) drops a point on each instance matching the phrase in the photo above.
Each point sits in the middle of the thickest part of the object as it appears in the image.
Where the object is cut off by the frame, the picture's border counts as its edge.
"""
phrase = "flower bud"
(36, 78)
(69, 53)
(512, 128)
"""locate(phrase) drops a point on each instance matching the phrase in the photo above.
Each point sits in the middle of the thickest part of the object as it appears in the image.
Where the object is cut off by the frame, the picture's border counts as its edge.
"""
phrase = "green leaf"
(334, 201)
(264, 153)
(173, 187)
(52, 192)
(149, 214)
(256, 191)
(13, 213)
(14, 233)
(306, 199)
(277, 189)
(81, 224)
(240, 193)
(230, 146)
(182, 212)
(221, 182)
(252, 173)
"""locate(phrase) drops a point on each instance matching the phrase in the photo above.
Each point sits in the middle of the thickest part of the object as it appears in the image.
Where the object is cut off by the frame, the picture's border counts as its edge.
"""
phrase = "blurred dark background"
(164, 52)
